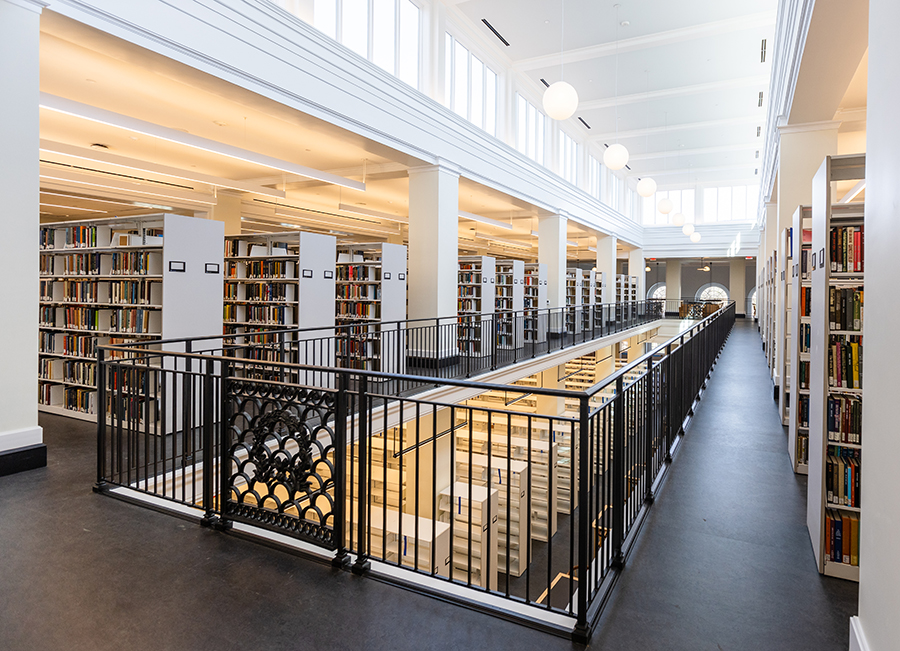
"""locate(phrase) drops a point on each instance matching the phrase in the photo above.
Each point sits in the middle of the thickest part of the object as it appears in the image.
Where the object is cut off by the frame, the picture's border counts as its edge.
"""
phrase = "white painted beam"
(761, 81)
(684, 126)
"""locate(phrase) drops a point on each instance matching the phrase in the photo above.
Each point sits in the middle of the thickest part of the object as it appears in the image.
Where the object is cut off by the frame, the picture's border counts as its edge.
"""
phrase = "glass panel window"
(490, 101)
(408, 63)
(594, 185)
(568, 157)
(710, 205)
(325, 17)
(739, 202)
(477, 116)
(460, 80)
(522, 124)
(724, 204)
(355, 25)
(448, 70)
(383, 34)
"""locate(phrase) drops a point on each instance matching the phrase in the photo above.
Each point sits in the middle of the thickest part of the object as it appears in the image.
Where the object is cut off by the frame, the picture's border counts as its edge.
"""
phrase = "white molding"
(747, 146)
(693, 170)
(658, 39)
(858, 640)
(21, 438)
(808, 127)
(37, 6)
(851, 114)
(677, 91)
(684, 126)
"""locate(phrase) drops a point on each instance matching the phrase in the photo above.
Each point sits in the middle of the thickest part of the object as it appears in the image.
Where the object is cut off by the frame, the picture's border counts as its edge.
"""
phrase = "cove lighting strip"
(516, 245)
(353, 227)
(484, 220)
(64, 177)
(366, 212)
(102, 116)
(153, 168)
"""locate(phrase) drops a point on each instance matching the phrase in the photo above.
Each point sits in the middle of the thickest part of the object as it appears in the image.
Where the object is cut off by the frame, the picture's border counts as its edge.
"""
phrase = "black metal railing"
(526, 493)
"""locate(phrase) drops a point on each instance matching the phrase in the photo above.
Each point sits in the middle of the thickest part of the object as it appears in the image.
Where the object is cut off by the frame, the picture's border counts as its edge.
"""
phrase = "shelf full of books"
(509, 302)
(370, 304)
(534, 301)
(574, 297)
(836, 439)
(599, 286)
(785, 289)
(800, 327)
(116, 281)
(476, 287)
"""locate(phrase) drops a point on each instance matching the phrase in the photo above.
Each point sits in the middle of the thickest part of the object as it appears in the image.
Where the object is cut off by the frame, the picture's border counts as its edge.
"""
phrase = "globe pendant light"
(695, 237)
(665, 206)
(560, 99)
(616, 156)
(646, 187)
(678, 219)
(687, 229)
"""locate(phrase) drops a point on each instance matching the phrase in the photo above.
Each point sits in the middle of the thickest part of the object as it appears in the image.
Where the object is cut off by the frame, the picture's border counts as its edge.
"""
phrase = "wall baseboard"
(857, 637)
(21, 459)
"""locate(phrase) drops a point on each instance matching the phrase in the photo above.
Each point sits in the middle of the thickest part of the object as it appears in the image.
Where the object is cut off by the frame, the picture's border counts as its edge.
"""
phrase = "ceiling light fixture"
(109, 118)
(119, 189)
(695, 237)
(484, 220)
(304, 218)
(678, 219)
(53, 205)
(357, 210)
(665, 206)
(616, 156)
(687, 229)
(561, 99)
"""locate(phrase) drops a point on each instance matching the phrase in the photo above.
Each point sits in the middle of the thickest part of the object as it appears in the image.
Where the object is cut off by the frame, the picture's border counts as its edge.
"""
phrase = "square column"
(552, 252)
(736, 286)
(636, 266)
(606, 263)
(673, 285)
(433, 241)
(21, 438)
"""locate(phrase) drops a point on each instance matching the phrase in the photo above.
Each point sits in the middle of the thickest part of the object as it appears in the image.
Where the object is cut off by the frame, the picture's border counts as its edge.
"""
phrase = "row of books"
(845, 308)
(803, 449)
(75, 264)
(844, 419)
(468, 305)
(842, 476)
(261, 269)
(805, 267)
(80, 372)
(266, 292)
(803, 374)
(133, 263)
(358, 272)
(506, 279)
(372, 292)
(845, 361)
(47, 316)
(81, 236)
(842, 537)
(78, 345)
(470, 278)
(805, 301)
(365, 310)
(78, 399)
(131, 321)
(804, 337)
(847, 249)
(803, 411)
(131, 292)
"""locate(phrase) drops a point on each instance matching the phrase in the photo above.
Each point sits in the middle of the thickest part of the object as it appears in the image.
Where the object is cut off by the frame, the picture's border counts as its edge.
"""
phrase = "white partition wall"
(606, 264)
(19, 36)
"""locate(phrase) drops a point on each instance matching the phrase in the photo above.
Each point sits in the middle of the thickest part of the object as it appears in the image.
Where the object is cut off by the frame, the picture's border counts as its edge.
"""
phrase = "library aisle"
(724, 560)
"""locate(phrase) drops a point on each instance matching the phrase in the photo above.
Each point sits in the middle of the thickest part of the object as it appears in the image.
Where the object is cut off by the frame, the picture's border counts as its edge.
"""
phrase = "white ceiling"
(682, 63)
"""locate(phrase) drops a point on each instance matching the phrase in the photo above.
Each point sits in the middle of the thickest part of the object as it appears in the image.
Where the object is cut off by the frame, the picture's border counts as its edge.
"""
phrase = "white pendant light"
(695, 237)
(646, 187)
(678, 219)
(615, 157)
(687, 229)
(665, 206)
(561, 99)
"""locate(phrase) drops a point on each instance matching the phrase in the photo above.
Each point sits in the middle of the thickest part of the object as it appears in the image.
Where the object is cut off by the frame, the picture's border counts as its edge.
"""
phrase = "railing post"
(362, 495)
(582, 631)
(619, 478)
(223, 524)
(341, 511)
(100, 486)
(650, 430)
(209, 517)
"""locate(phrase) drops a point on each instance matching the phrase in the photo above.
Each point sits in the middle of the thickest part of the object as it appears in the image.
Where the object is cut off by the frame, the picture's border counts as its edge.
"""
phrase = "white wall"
(879, 586)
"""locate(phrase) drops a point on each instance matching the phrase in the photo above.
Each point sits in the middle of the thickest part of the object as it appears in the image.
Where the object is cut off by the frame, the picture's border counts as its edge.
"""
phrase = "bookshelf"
(784, 289)
(370, 297)
(801, 294)
(477, 281)
(574, 297)
(509, 301)
(588, 298)
(836, 439)
(599, 287)
(535, 299)
(120, 280)
(474, 516)
(769, 298)
(267, 278)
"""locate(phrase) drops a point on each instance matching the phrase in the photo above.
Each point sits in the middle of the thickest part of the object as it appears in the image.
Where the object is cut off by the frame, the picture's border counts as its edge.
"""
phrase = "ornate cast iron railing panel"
(279, 465)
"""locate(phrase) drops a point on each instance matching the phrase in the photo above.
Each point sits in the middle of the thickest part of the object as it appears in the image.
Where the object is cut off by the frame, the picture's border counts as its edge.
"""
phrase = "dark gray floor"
(724, 561)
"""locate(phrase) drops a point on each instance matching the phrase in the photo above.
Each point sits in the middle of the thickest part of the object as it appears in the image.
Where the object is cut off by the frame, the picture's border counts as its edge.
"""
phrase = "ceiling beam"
(684, 126)
(659, 39)
(693, 170)
(761, 81)
(674, 154)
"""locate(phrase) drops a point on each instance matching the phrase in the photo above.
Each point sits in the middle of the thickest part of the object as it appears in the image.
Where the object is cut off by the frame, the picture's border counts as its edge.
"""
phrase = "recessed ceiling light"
(219, 123)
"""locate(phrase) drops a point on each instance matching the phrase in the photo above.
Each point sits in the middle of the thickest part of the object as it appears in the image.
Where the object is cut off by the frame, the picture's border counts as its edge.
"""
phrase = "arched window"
(657, 292)
(712, 292)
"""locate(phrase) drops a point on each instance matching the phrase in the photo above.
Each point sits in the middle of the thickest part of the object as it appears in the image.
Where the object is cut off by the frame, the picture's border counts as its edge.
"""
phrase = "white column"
(228, 210)
(433, 241)
(636, 267)
(736, 285)
(606, 262)
(552, 252)
(673, 284)
(21, 438)
(879, 571)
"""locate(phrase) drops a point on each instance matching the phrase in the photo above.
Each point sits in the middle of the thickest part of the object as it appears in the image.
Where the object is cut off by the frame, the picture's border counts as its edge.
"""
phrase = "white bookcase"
(599, 286)
(836, 438)
(477, 282)
(474, 520)
(509, 302)
(370, 298)
(535, 299)
(120, 280)
(574, 298)
(267, 278)
(785, 289)
(588, 298)
(801, 279)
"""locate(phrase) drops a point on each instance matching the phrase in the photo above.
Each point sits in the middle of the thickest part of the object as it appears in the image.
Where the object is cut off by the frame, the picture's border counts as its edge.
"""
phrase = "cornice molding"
(808, 127)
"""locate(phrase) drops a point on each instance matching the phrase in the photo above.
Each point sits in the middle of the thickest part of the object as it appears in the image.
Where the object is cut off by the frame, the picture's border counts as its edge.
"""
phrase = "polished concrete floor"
(724, 561)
